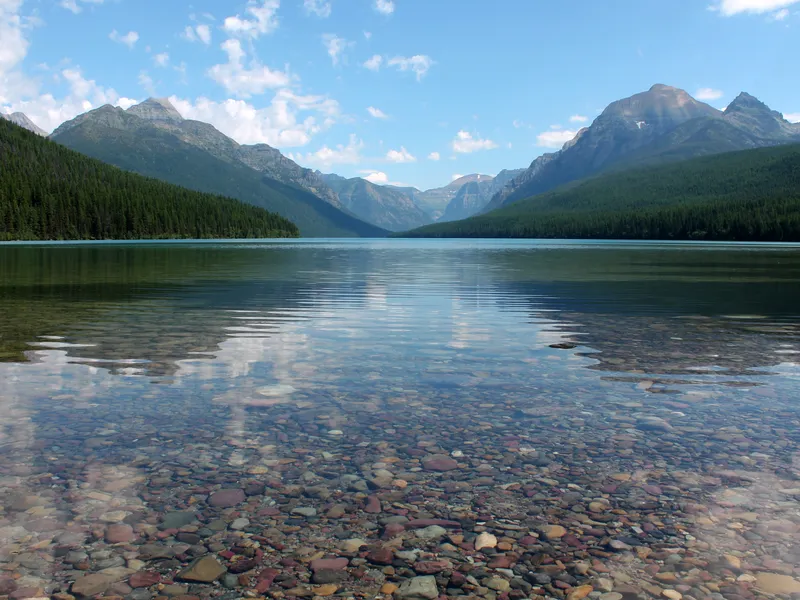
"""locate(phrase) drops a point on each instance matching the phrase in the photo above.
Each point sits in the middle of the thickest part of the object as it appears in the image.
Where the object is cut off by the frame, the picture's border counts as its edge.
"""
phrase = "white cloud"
(374, 63)
(75, 6)
(729, 8)
(48, 112)
(335, 46)
(578, 119)
(455, 176)
(377, 113)
(465, 143)
(129, 39)
(555, 138)
(400, 156)
(161, 60)
(418, 63)
(781, 14)
(434, 156)
(200, 32)
(792, 117)
(349, 154)
(260, 19)
(367, 35)
(245, 81)
(385, 7)
(289, 121)
(377, 177)
(147, 83)
(21, 93)
(321, 8)
(706, 94)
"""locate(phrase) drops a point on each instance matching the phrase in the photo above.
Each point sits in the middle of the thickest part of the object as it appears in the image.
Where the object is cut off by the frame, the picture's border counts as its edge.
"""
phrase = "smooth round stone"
(305, 511)
(498, 584)
(352, 545)
(119, 534)
(554, 532)
(439, 463)
(227, 498)
(485, 540)
(431, 533)
(240, 524)
(610, 596)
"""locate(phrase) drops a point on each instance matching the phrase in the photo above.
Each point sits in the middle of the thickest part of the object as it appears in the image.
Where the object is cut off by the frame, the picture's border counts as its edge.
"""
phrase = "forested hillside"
(752, 195)
(49, 192)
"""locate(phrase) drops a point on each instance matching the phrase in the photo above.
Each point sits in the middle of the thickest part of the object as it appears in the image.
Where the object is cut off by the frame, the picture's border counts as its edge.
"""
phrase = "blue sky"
(402, 91)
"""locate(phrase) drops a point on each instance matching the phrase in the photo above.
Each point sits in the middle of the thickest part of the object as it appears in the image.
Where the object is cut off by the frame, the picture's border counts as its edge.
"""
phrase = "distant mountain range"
(657, 126)
(153, 139)
(654, 127)
(385, 207)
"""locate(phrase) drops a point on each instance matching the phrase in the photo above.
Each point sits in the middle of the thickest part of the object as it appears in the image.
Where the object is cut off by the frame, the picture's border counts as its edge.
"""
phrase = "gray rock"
(418, 588)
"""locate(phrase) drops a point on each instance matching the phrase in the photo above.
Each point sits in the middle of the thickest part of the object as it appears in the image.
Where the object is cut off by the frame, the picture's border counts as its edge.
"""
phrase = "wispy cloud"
(129, 39)
(465, 143)
(707, 94)
(385, 7)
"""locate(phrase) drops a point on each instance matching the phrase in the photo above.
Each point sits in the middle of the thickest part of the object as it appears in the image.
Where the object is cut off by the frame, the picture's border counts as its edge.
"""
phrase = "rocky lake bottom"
(398, 419)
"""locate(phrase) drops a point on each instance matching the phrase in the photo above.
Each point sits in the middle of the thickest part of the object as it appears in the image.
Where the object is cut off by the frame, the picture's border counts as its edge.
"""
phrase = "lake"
(459, 418)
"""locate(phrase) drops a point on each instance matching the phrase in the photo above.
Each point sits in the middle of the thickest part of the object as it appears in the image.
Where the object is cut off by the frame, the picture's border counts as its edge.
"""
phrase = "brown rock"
(203, 570)
(227, 498)
(329, 564)
(772, 583)
(91, 585)
(119, 533)
(554, 532)
(144, 579)
(439, 463)
(580, 592)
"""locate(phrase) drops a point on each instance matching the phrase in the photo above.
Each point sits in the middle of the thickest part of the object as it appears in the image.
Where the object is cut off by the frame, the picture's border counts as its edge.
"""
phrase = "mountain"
(154, 140)
(22, 120)
(662, 124)
(474, 195)
(435, 201)
(49, 192)
(383, 206)
(750, 195)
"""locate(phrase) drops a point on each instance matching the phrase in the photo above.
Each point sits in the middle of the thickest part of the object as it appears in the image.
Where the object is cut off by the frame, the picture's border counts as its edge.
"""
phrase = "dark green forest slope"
(49, 192)
(160, 154)
(753, 195)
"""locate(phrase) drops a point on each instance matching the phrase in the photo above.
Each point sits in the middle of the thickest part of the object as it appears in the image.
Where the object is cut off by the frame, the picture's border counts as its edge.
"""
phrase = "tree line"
(49, 192)
(752, 195)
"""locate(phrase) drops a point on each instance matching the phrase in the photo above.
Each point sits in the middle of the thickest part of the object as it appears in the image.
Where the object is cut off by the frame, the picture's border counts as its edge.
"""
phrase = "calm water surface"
(642, 396)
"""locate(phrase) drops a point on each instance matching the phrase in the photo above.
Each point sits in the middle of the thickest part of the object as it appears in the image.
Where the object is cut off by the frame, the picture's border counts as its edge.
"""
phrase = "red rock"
(227, 498)
(652, 489)
(430, 567)
(381, 556)
(500, 561)
(119, 533)
(242, 566)
(329, 564)
(392, 530)
(528, 540)
(265, 580)
(457, 579)
(7, 586)
(373, 505)
(439, 462)
(144, 579)
(421, 523)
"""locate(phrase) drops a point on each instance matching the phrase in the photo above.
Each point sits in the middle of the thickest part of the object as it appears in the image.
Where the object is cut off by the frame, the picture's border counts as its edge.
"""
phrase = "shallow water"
(661, 432)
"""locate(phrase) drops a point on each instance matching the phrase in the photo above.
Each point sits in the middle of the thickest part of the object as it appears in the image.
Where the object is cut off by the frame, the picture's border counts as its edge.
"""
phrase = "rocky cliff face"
(661, 124)
(473, 196)
(384, 206)
(22, 120)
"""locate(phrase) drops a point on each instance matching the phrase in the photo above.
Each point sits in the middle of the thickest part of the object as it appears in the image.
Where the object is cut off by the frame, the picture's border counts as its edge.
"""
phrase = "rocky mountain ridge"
(384, 206)
(22, 120)
(153, 139)
(160, 113)
(662, 124)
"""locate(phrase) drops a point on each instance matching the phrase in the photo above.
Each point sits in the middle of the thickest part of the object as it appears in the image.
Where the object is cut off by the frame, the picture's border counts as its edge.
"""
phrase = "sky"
(409, 92)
